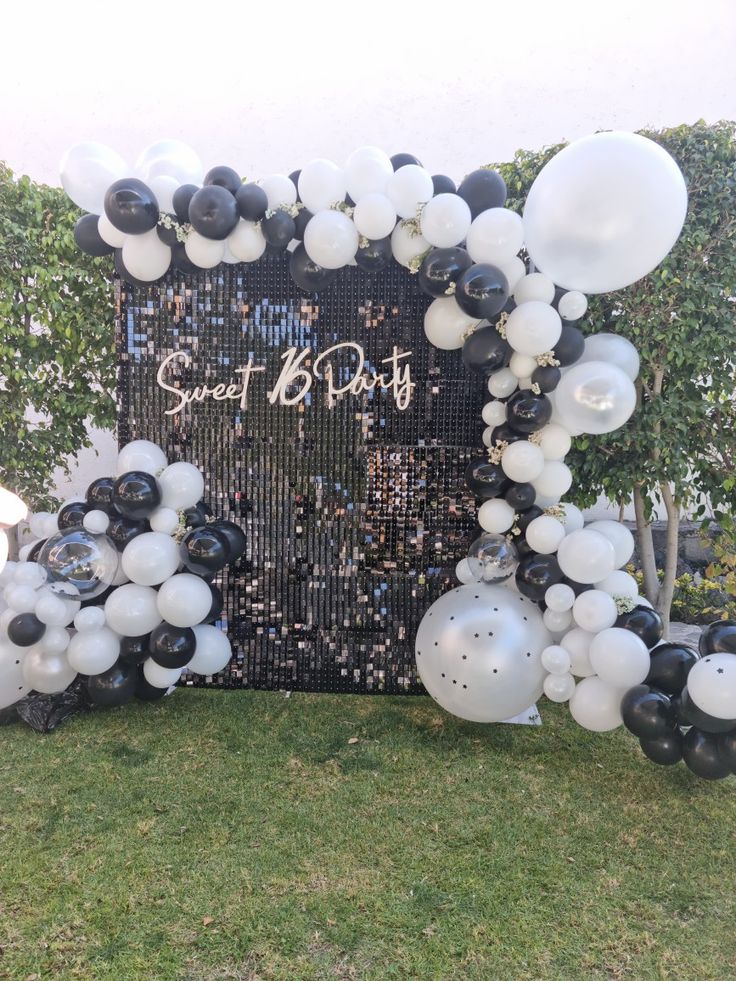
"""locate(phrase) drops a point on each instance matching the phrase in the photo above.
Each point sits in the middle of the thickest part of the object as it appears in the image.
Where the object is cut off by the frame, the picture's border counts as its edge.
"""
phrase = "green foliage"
(57, 356)
(724, 552)
(698, 600)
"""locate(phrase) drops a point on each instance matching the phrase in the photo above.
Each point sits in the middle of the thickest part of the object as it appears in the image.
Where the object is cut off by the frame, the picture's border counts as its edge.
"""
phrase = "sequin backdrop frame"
(355, 515)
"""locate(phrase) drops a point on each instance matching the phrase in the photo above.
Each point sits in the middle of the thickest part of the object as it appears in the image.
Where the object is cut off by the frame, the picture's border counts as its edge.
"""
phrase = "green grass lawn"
(246, 835)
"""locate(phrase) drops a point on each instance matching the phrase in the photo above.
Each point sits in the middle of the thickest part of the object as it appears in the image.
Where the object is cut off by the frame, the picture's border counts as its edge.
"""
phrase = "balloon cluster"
(118, 588)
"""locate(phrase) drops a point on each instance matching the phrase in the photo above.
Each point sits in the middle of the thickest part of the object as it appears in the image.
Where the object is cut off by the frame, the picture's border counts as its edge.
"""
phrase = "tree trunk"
(646, 548)
(667, 589)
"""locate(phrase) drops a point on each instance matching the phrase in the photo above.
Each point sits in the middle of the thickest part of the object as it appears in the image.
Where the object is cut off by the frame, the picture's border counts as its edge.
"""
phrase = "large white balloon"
(246, 241)
(612, 349)
(143, 455)
(478, 652)
(132, 611)
(331, 239)
(596, 705)
(522, 461)
(368, 171)
(93, 651)
(150, 558)
(594, 397)
(445, 324)
(182, 485)
(495, 515)
(445, 220)
(604, 212)
(48, 673)
(619, 657)
(87, 170)
(619, 536)
(170, 158)
(146, 256)
(12, 683)
(711, 684)
(184, 600)
(585, 556)
(374, 216)
(495, 236)
(533, 328)
(409, 187)
(321, 184)
(544, 534)
(212, 652)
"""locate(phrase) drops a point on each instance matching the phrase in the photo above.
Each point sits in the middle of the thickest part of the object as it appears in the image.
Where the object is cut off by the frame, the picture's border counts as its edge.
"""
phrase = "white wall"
(266, 87)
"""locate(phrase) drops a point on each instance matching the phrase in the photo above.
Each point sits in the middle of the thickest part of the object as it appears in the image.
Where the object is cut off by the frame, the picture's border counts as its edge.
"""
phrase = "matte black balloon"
(528, 515)
(306, 273)
(665, 750)
(441, 268)
(136, 494)
(535, 574)
(131, 206)
(303, 217)
(72, 515)
(485, 479)
(134, 649)
(482, 291)
(99, 494)
(577, 587)
(278, 229)
(483, 189)
(670, 666)
(88, 238)
(235, 536)
(648, 713)
(252, 202)
(505, 434)
(213, 212)
(294, 178)
(374, 256)
(520, 496)
(570, 346)
(168, 235)
(727, 749)
(718, 638)
(122, 530)
(702, 756)
(524, 549)
(223, 177)
(403, 159)
(217, 604)
(35, 550)
(443, 184)
(485, 351)
(172, 647)
(204, 550)
(181, 261)
(181, 199)
(690, 715)
(546, 377)
(116, 686)
(146, 691)
(528, 412)
(25, 629)
(643, 621)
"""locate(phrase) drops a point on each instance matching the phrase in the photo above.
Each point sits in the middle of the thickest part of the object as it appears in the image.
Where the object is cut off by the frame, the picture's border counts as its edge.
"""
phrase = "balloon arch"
(544, 604)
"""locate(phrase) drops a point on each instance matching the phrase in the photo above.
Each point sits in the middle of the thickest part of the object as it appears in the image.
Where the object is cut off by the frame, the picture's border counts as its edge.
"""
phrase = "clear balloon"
(613, 350)
(595, 397)
(492, 558)
(85, 561)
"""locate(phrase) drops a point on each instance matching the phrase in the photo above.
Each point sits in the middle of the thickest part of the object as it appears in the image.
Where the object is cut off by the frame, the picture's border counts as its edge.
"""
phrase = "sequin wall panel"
(352, 496)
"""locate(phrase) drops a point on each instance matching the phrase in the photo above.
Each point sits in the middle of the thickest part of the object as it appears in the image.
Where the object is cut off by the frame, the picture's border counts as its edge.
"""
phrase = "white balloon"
(159, 676)
(595, 397)
(48, 673)
(331, 239)
(87, 170)
(445, 324)
(212, 652)
(572, 305)
(544, 534)
(445, 220)
(170, 158)
(52, 610)
(12, 684)
(132, 611)
(30, 574)
(612, 349)
(487, 436)
(374, 216)
(69, 594)
(93, 651)
(502, 383)
(619, 584)
(164, 188)
(109, 233)
(407, 188)
(141, 455)
(89, 618)
(585, 556)
(533, 328)
(559, 687)
(494, 413)
(495, 236)
(204, 252)
(577, 644)
(21, 598)
(407, 246)
(554, 481)
(55, 640)
(182, 485)
(184, 600)
(619, 536)
(164, 520)
(246, 241)
(7, 573)
(711, 684)
(465, 574)
(522, 461)
(560, 597)
(367, 171)
(513, 271)
(150, 558)
(557, 621)
(554, 441)
(604, 212)
(594, 611)
(146, 256)
(96, 522)
(495, 515)
(596, 705)
(534, 287)
(572, 517)
(522, 365)
(619, 657)
(556, 659)
(279, 190)
(322, 184)
(37, 523)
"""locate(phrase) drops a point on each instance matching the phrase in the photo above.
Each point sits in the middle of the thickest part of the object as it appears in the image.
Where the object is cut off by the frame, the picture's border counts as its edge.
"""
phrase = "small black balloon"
(727, 750)
(703, 757)
(72, 515)
(134, 649)
(181, 261)
(172, 647)
(528, 412)
(535, 574)
(294, 178)
(278, 229)
(168, 234)
(136, 494)
(577, 587)
(520, 496)
(718, 638)
(223, 177)
(665, 750)
(375, 255)
(441, 268)
(88, 237)
(443, 184)
(182, 196)
(690, 715)
(648, 713)
(485, 351)
(505, 434)
(483, 189)
(122, 530)
(197, 516)
(252, 202)
(670, 666)
(306, 273)
(99, 494)
(145, 691)
(213, 212)
(528, 515)
(570, 346)
(131, 206)
(303, 217)
(485, 479)
(235, 536)
(643, 621)
(217, 604)
(204, 550)
(116, 686)
(546, 377)
(25, 629)
(524, 549)
(403, 159)
(481, 291)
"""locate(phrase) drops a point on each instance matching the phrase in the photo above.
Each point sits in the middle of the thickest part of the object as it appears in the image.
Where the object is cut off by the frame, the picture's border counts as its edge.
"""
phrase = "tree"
(57, 352)
(680, 446)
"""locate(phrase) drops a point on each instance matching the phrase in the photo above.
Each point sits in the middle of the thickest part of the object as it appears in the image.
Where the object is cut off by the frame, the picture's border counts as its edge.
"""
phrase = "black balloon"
(88, 238)
(570, 346)
(116, 686)
(35, 550)
(131, 206)
(99, 494)
(727, 749)
(213, 212)
(528, 515)
(122, 530)
(25, 629)
(670, 666)
(72, 515)
(172, 647)
(505, 434)
(223, 177)
(690, 715)
(643, 621)
(235, 537)
(146, 691)
(136, 494)
(197, 516)
(485, 479)
(485, 351)
(217, 604)
(303, 217)
(181, 261)
(134, 649)
(535, 574)
(577, 587)
(546, 377)
(252, 202)
(520, 496)
(294, 178)
(482, 291)
(441, 268)
(181, 199)
(374, 256)
(528, 412)
(306, 273)
(665, 750)
(483, 189)
(718, 637)
(278, 229)
(205, 550)
(648, 713)
(443, 184)
(402, 159)
(702, 755)
(523, 549)
(168, 234)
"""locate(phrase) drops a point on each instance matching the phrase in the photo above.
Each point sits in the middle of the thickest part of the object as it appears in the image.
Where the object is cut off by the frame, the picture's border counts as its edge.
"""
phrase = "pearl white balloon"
(184, 600)
(182, 486)
(12, 684)
(619, 584)
(146, 256)
(595, 610)
(52, 610)
(279, 190)
(30, 574)
(140, 454)
(595, 397)
(522, 365)
(534, 287)
(572, 517)
(89, 618)
(487, 436)
(407, 188)
(22, 599)
(604, 212)
(445, 220)
(164, 188)
(445, 324)
(585, 556)
(48, 673)
(556, 659)
(557, 621)
(132, 611)
(554, 441)
(374, 216)
(612, 349)
(494, 413)
(93, 651)
(711, 685)
(170, 158)
(495, 515)
(246, 241)
(150, 558)
(554, 480)
(572, 305)
(619, 536)
(204, 252)
(577, 644)
(331, 239)
(533, 328)
(87, 170)
(596, 705)
(619, 657)
(522, 461)
(407, 247)
(109, 233)
(560, 597)
(544, 534)
(213, 651)
(495, 236)
(165, 520)
(55, 640)
(502, 383)
(322, 184)
(69, 595)
(559, 687)
(96, 522)
(159, 676)
(513, 271)
(464, 573)
(367, 170)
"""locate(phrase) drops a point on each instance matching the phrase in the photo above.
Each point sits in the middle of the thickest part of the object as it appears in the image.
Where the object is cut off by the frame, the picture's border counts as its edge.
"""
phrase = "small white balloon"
(559, 687)
(184, 600)
(560, 597)
(596, 705)
(614, 350)
(554, 480)
(89, 618)
(711, 685)
(407, 188)
(146, 256)
(93, 651)
(619, 584)
(494, 413)
(182, 486)
(522, 461)
(594, 611)
(55, 640)
(556, 659)
(159, 676)
(496, 515)
(246, 241)
(21, 598)
(143, 455)
(572, 305)
(522, 365)
(279, 190)
(30, 574)
(109, 233)
(321, 184)
(52, 610)
(367, 170)
(150, 558)
(465, 574)
(619, 536)
(557, 621)
(374, 216)
(544, 534)
(132, 610)
(554, 441)
(577, 644)
(96, 522)
(37, 523)
(204, 252)
(164, 520)
(495, 236)
(534, 287)
(445, 324)
(572, 517)
(407, 247)
(445, 220)
(594, 397)
(502, 383)
(619, 657)
(586, 556)
(533, 328)
(487, 436)
(213, 651)
(331, 239)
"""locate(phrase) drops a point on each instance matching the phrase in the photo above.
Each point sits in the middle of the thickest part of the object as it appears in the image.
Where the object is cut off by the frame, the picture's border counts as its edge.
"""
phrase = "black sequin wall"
(355, 514)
